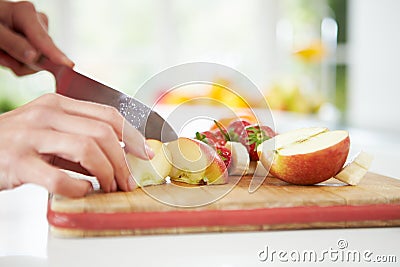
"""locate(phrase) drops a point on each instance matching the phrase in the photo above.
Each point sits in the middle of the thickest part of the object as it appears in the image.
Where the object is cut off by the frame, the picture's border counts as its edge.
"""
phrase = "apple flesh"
(353, 172)
(154, 171)
(216, 172)
(194, 162)
(305, 156)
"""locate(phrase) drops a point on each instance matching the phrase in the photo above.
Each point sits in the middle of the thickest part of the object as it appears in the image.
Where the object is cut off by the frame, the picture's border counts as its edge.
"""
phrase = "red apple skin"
(216, 172)
(312, 168)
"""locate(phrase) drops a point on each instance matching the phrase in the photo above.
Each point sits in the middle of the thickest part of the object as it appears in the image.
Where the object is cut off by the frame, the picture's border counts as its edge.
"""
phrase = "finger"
(33, 170)
(86, 109)
(78, 149)
(133, 139)
(104, 136)
(98, 128)
(135, 143)
(17, 46)
(26, 21)
(69, 165)
(18, 68)
(44, 20)
(131, 136)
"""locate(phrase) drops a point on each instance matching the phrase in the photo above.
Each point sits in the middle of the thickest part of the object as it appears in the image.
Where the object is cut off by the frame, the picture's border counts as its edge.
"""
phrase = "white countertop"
(25, 241)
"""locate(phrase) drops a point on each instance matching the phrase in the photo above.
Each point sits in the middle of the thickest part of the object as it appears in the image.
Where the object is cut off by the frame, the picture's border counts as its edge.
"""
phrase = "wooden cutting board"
(375, 202)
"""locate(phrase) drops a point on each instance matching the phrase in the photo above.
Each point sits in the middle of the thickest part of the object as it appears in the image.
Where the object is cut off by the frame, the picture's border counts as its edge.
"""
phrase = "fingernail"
(149, 151)
(131, 183)
(114, 186)
(67, 61)
(29, 55)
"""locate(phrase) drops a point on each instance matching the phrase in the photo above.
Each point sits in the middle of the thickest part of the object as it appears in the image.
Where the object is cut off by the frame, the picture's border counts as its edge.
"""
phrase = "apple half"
(195, 162)
(154, 171)
(305, 156)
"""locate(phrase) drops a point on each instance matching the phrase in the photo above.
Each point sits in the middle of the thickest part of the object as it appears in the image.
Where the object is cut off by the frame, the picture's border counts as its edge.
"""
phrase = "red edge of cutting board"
(199, 218)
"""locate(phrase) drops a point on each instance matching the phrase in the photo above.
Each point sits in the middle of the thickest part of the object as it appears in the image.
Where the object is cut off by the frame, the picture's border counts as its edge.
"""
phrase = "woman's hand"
(24, 37)
(54, 128)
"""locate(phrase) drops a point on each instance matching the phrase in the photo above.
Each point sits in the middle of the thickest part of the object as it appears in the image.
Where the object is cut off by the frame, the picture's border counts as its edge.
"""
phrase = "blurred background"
(335, 60)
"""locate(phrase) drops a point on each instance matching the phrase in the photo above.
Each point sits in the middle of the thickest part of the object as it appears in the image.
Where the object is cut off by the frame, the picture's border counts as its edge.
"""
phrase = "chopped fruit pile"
(236, 143)
(185, 160)
(239, 147)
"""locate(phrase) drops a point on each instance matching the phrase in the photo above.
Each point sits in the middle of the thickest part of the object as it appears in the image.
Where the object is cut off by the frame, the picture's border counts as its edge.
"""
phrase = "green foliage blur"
(339, 8)
(6, 105)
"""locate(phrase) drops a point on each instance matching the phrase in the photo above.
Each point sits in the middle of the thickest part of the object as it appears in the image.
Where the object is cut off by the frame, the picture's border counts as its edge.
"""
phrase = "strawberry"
(225, 154)
(221, 134)
(220, 138)
(216, 141)
(207, 137)
(254, 135)
(236, 128)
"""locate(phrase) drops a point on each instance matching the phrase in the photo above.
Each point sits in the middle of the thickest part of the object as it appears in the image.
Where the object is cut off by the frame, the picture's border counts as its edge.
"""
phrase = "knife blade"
(78, 86)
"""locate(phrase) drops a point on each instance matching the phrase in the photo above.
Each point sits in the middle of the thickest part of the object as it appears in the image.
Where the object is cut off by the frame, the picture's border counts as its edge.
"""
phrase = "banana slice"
(353, 172)
(240, 158)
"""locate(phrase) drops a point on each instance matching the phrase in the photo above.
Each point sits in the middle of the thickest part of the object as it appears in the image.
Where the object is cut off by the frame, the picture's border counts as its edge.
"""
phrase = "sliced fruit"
(154, 171)
(217, 142)
(305, 156)
(189, 160)
(353, 172)
(221, 134)
(216, 172)
(298, 135)
(206, 137)
(253, 136)
(363, 159)
(220, 138)
(236, 128)
(194, 162)
(240, 159)
(225, 154)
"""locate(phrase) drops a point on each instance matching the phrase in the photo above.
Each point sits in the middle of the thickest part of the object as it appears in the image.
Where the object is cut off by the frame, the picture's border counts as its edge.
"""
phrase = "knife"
(75, 85)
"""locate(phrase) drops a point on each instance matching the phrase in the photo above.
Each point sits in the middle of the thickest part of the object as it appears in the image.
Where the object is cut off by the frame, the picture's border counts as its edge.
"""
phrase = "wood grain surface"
(375, 202)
